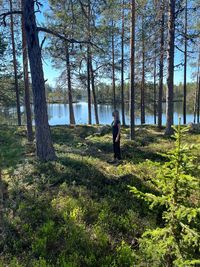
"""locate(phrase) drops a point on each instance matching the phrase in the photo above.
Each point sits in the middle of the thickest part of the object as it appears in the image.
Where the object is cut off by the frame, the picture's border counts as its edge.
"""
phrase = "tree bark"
(170, 74)
(93, 92)
(154, 91)
(142, 103)
(15, 64)
(195, 103)
(161, 66)
(1, 207)
(198, 101)
(88, 69)
(70, 100)
(132, 70)
(197, 92)
(185, 70)
(122, 67)
(88, 87)
(113, 66)
(44, 145)
(26, 81)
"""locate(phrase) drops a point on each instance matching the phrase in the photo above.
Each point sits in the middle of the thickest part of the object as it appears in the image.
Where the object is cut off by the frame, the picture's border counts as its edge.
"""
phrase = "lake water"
(59, 114)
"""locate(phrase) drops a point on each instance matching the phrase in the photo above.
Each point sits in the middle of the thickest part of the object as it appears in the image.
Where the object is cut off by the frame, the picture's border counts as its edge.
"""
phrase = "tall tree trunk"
(70, 100)
(142, 103)
(15, 64)
(113, 66)
(197, 92)
(88, 68)
(93, 92)
(198, 101)
(170, 74)
(132, 70)
(26, 81)
(185, 69)
(1, 207)
(195, 105)
(154, 90)
(44, 145)
(88, 87)
(122, 67)
(161, 66)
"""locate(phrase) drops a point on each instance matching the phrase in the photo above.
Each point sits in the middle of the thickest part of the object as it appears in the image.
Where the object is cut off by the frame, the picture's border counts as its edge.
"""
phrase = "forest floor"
(78, 211)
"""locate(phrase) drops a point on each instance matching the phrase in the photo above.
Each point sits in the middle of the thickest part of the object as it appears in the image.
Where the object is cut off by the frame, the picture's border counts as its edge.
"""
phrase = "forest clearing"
(99, 133)
(79, 211)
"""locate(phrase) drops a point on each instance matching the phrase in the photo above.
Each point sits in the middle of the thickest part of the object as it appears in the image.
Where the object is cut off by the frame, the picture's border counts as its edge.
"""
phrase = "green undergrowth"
(78, 211)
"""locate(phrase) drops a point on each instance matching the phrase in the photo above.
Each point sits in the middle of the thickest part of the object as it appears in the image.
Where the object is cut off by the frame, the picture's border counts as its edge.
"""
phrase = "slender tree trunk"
(93, 92)
(1, 207)
(198, 101)
(170, 74)
(161, 66)
(154, 90)
(88, 69)
(113, 66)
(132, 70)
(122, 67)
(88, 87)
(197, 92)
(26, 81)
(185, 70)
(195, 104)
(142, 104)
(15, 64)
(70, 100)
(44, 145)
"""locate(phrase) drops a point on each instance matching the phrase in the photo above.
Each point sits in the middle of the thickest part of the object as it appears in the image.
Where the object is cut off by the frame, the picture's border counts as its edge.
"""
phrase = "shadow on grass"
(71, 134)
(101, 146)
(11, 149)
(131, 151)
(39, 229)
(138, 154)
(42, 231)
(77, 173)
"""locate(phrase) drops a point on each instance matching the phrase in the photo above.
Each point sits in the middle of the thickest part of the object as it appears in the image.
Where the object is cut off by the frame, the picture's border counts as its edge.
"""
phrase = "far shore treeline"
(104, 93)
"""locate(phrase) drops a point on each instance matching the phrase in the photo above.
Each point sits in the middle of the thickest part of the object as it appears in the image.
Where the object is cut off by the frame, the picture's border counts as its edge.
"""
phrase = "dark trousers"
(116, 148)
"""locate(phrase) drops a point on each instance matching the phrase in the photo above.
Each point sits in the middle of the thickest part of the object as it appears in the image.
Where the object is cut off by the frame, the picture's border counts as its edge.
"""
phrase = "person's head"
(115, 114)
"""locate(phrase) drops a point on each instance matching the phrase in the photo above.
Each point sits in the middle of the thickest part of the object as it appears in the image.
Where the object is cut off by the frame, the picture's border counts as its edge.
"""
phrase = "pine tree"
(15, 68)
(177, 242)
(161, 63)
(132, 70)
(170, 67)
(185, 63)
(44, 145)
(122, 62)
(26, 81)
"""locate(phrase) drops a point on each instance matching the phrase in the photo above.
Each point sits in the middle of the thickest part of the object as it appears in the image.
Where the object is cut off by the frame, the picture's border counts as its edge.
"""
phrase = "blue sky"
(52, 74)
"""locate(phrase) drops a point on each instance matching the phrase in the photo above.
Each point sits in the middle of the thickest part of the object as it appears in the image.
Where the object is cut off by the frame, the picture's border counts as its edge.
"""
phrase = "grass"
(78, 211)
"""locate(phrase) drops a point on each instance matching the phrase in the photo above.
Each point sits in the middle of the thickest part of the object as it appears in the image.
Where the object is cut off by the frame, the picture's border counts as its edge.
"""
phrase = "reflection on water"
(59, 114)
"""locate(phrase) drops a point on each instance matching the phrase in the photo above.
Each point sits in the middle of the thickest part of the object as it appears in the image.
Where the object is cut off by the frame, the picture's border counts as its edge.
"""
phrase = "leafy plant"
(124, 255)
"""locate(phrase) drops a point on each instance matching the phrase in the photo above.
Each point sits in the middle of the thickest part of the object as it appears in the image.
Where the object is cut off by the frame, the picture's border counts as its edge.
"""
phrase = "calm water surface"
(59, 114)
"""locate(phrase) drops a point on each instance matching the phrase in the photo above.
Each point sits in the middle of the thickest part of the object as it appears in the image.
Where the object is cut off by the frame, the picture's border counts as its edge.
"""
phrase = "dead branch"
(4, 15)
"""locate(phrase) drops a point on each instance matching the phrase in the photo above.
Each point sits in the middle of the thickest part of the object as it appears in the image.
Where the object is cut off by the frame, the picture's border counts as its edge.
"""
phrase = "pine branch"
(4, 15)
(72, 40)
(43, 41)
(178, 48)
